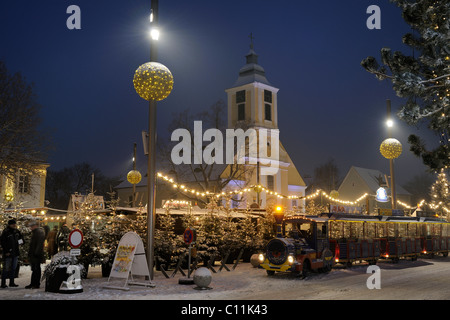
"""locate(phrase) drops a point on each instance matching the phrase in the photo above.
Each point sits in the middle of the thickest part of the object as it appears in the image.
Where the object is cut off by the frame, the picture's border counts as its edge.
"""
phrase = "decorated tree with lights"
(422, 78)
(440, 196)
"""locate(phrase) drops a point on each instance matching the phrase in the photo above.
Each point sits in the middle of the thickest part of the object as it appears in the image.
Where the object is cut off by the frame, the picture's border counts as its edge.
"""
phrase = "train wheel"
(349, 264)
(445, 254)
(270, 272)
(326, 268)
(306, 269)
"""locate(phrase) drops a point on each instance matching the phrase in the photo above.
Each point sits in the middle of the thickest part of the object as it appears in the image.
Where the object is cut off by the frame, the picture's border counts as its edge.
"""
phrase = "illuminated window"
(24, 184)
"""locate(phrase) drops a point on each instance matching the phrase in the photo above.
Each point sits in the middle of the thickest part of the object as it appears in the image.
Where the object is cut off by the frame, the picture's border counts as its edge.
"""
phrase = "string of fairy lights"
(259, 188)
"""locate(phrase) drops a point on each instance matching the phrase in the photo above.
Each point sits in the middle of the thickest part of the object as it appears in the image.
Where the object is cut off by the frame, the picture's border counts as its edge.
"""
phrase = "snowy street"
(424, 279)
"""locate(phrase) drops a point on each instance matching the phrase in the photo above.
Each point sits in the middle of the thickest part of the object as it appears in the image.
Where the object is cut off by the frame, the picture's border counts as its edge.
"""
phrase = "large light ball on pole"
(391, 148)
(153, 81)
(134, 177)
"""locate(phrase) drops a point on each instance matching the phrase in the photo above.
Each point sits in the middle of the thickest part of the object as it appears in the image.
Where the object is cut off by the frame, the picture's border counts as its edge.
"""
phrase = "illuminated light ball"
(153, 81)
(391, 148)
(9, 196)
(334, 194)
(134, 177)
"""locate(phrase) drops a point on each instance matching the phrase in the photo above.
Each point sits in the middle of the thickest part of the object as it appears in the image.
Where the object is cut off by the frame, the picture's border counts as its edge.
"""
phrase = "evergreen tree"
(422, 78)
(440, 197)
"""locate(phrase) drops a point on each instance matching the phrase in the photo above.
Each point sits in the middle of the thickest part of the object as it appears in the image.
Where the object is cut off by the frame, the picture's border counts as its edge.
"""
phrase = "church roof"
(251, 71)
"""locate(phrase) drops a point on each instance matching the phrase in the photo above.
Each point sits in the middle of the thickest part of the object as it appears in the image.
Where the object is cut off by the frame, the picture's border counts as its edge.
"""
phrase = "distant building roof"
(371, 177)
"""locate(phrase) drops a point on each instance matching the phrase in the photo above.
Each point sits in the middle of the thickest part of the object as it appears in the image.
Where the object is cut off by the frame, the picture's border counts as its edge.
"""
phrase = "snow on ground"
(421, 279)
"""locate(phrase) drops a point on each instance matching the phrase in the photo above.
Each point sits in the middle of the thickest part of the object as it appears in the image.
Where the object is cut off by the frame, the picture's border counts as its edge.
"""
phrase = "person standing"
(11, 238)
(63, 238)
(52, 247)
(36, 254)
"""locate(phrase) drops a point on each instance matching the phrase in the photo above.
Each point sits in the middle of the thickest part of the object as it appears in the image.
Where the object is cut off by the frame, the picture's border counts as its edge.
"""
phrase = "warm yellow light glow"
(391, 148)
(153, 81)
(390, 123)
(134, 177)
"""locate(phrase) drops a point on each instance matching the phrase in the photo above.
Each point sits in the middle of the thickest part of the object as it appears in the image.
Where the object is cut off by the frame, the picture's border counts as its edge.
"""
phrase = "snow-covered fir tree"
(423, 76)
(440, 196)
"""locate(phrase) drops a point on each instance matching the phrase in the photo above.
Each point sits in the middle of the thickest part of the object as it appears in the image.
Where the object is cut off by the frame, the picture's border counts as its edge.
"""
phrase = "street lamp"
(391, 149)
(153, 82)
(278, 215)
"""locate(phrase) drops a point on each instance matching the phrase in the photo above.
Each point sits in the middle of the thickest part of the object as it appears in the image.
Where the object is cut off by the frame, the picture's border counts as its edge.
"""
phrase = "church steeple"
(251, 71)
(252, 98)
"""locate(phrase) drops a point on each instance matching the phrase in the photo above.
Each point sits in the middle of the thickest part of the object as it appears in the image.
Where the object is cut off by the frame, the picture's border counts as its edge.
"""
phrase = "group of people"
(11, 239)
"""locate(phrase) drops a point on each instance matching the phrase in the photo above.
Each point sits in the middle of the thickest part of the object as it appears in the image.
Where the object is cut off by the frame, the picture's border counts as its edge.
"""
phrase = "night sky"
(328, 105)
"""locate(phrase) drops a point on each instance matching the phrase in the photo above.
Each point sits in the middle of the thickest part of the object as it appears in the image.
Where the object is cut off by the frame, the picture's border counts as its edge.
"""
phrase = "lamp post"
(391, 149)
(153, 82)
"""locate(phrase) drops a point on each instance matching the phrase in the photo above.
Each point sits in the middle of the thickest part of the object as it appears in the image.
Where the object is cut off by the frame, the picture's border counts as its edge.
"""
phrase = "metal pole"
(151, 173)
(133, 202)
(391, 161)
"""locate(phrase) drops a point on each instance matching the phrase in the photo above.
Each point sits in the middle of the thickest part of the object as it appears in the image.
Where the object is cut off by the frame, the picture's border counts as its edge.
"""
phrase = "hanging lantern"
(134, 177)
(153, 81)
(391, 148)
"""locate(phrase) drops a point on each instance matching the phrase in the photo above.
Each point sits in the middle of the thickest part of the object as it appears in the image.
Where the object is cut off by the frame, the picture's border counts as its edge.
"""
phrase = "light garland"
(255, 188)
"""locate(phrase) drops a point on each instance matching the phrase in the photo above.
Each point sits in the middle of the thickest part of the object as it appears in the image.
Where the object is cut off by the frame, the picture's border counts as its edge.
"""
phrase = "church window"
(267, 96)
(241, 112)
(270, 184)
(24, 184)
(240, 96)
(268, 112)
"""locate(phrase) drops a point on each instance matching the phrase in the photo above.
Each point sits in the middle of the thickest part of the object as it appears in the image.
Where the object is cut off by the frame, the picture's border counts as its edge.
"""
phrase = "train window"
(336, 229)
(391, 230)
(402, 228)
(437, 230)
(305, 230)
(444, 230)
(321, 230)
(370, 230)
(427, 230)
(380, 230)
(346, 229)
(412, 230)
(357, 229)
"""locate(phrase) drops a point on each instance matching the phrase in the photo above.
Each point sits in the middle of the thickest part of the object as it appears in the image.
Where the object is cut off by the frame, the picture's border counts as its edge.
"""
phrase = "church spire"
(251, 71)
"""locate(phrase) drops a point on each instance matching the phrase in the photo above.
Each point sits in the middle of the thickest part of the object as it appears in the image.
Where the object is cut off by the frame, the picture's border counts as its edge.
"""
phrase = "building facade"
(25, 188)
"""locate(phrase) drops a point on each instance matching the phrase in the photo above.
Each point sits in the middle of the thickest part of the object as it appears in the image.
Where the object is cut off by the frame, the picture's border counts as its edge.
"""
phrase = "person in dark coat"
(36, 254)
(10, 240)
(52, 247)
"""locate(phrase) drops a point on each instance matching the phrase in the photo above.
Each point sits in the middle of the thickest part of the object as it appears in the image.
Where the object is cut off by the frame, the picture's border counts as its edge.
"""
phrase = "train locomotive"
(306, 243)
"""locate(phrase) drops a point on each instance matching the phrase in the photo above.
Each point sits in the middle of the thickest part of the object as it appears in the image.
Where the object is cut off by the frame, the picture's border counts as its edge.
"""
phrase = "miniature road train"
(307, 243)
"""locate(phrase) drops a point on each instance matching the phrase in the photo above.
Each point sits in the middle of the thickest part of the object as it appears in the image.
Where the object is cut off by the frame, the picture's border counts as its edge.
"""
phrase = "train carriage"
(317, 242)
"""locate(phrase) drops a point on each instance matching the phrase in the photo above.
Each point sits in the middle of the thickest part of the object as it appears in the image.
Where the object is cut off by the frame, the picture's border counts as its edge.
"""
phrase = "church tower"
(252, 98)
(253, 104)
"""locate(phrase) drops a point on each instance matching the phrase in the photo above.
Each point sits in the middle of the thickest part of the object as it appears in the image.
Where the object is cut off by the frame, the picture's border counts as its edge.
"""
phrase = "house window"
(267, 96)
(24, 184)
(270, 184)
(241, 112)
(240, 96)
(268, 112)
(294, 203)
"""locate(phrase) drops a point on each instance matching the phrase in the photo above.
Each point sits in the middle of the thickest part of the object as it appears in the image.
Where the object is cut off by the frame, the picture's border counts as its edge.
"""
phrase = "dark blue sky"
(328, 105)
